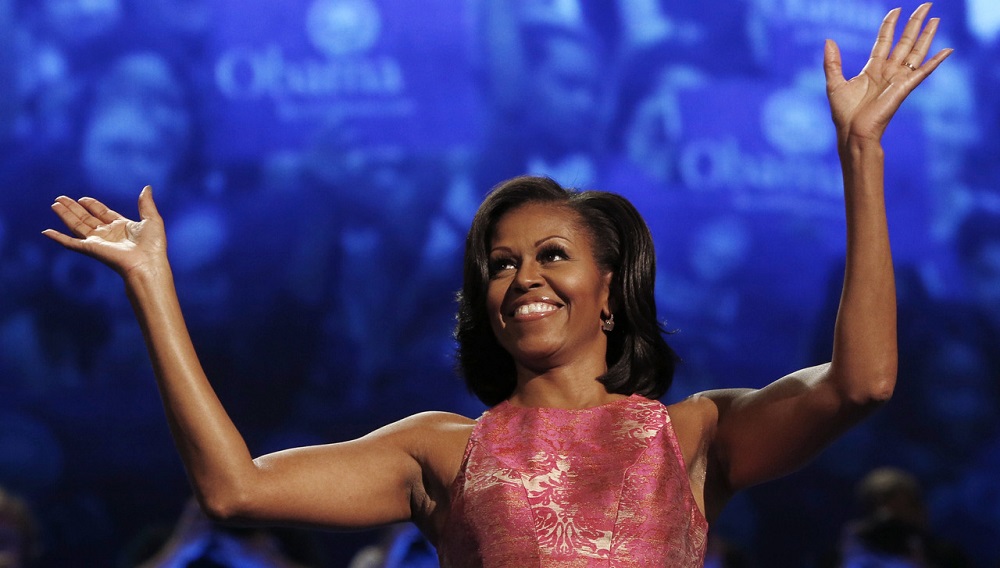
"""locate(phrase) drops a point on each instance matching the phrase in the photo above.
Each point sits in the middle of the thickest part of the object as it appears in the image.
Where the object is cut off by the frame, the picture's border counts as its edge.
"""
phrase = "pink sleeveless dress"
(603, 486)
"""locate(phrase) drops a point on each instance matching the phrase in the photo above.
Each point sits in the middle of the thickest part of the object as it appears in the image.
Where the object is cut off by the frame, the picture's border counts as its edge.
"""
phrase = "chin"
(535, 356)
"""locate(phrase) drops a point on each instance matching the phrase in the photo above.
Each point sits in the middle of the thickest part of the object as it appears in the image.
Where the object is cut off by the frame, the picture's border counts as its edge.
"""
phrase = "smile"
(535, 308)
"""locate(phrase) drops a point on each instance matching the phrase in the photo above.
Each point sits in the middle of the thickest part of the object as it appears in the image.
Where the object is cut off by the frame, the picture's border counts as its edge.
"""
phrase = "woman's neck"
(562, 387)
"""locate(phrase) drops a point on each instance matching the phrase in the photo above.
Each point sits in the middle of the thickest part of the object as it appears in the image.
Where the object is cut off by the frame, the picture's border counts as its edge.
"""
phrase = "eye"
(552, 253)
(500, 264)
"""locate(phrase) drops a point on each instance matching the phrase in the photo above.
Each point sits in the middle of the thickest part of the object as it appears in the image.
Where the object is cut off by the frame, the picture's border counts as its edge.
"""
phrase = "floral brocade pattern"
(603, 486)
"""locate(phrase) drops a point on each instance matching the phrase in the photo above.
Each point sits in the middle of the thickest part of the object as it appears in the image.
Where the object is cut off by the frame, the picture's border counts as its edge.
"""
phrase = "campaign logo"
(344, 31)
(343, 27)
(791, 31)
(766, 146)
(290, 68)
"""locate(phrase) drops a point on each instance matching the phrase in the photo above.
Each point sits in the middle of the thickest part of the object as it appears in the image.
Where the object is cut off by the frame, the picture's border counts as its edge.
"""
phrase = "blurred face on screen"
(564, 99)
(966, 406)
(652, 135)
(78, 21)
(984, 274)
(124, 150)
(185, 17)
(951, 116)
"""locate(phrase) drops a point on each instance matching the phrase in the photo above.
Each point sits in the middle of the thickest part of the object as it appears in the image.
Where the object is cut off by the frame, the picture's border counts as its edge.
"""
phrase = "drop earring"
(608, 324)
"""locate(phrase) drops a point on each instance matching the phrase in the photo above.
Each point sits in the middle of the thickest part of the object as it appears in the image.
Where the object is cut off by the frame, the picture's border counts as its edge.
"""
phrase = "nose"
(527, 277)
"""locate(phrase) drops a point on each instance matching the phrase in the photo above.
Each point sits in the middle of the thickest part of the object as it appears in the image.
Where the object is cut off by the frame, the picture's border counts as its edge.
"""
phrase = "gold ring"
(910, 65)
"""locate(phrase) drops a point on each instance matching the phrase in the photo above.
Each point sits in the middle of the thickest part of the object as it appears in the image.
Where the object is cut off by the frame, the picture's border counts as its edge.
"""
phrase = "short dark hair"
(639, 359)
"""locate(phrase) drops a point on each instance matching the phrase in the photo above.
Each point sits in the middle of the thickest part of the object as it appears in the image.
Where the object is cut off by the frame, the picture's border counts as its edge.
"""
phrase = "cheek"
(588, 295)
(494, 300)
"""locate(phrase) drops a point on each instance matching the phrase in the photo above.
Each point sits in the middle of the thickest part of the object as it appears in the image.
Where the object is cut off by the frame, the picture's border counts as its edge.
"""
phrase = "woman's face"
(547, 295)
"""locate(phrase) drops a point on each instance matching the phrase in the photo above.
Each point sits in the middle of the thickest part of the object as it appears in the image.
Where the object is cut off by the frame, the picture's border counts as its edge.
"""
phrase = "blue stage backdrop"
(319, 161)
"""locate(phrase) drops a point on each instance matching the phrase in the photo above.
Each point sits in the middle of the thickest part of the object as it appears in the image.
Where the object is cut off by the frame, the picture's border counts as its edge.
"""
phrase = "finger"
(832, 66)
(883, 42)
(147, 207)
(74, 216)
(927, 68)
(923, 44)
(99, 210)
(909, 36)
(65, 240)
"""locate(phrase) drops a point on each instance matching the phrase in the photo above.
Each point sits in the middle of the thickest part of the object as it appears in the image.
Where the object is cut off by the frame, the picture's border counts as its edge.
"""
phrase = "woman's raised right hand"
(122, 244)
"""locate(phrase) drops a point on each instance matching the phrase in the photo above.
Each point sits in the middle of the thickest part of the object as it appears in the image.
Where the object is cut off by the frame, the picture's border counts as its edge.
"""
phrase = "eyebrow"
(543, 239)
(537, 243)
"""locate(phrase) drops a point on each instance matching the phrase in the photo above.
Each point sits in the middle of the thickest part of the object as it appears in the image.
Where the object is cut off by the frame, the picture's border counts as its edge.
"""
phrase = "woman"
(557, 328)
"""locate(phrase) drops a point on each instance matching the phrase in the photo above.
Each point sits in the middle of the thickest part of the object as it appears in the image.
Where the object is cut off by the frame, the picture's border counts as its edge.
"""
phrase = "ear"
(607, 308)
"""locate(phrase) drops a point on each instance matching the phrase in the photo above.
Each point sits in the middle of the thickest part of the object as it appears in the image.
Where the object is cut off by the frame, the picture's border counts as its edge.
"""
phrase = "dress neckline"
(625, 401)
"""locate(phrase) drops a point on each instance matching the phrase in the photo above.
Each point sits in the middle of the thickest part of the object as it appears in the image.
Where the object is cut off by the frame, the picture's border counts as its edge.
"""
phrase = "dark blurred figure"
(134, 127)
(325, 295)
(197, 542)
(722, 554)
(942, 419)
(699, 287)
(59, 47)
(951, 115)
(649, 124)
(101, 117)
(948, 368)
(978, 250)
(8, 72)
(401, 546)
(18, 532)
(893, 531)
(546, 86)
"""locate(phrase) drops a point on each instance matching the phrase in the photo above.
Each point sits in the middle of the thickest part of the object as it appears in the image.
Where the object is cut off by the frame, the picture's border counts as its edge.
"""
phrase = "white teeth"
(534, 308)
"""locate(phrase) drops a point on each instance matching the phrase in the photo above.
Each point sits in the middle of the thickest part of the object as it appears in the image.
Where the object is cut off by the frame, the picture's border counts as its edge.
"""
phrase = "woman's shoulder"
(435, 435)
(435, 419)
(437, 441)
(694, 420)
(704, 408)
(695, 409)
(428, 427)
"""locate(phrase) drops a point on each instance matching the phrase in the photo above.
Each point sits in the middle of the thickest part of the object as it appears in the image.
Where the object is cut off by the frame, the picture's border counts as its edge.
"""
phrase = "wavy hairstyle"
(639, 359)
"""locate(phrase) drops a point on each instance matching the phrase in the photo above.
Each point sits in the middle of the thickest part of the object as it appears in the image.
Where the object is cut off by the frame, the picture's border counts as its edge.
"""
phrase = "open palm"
(864, 105)
(99, 232)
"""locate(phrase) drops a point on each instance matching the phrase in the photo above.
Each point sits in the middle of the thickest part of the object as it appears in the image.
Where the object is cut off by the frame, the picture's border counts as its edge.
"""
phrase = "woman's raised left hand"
(863, 106)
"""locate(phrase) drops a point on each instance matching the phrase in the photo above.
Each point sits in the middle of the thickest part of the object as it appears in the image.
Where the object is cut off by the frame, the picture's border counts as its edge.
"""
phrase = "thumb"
(832, 66)
(147, 208)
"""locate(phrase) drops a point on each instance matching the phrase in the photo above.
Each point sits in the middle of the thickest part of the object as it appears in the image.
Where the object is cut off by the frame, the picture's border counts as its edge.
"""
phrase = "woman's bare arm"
(377, 479)
(762, 434)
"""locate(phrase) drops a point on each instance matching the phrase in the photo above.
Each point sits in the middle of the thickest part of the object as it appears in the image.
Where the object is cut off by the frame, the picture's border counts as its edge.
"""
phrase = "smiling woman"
(549, 228)
(575, 463)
